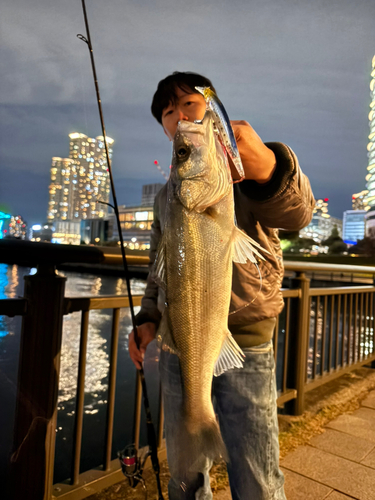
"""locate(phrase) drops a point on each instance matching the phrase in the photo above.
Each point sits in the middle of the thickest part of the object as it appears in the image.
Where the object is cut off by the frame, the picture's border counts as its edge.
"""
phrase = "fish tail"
(211, 442)
(198, 445)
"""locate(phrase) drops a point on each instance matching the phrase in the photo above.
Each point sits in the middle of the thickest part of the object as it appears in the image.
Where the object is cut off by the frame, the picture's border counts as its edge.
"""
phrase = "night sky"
(298, 71)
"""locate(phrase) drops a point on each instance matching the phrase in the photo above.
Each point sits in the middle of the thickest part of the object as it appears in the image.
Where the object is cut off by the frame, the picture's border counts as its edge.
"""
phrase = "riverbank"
(324, 404)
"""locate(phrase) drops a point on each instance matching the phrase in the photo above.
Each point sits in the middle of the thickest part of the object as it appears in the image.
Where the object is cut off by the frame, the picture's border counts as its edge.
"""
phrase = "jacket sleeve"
(286, 201)
(149, 308)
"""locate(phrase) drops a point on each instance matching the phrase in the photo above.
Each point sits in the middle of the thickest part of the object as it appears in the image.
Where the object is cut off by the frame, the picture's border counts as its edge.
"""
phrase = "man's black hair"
(166, 91)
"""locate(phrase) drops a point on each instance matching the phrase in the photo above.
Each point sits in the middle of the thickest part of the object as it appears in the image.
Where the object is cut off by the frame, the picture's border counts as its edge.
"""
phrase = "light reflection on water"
(97, 363)
(9, 289)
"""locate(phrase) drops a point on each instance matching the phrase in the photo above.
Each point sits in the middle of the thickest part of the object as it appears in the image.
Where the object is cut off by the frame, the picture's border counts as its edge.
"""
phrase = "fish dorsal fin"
(159, 268)
(231, 356)
(244, 248)
(164, 336)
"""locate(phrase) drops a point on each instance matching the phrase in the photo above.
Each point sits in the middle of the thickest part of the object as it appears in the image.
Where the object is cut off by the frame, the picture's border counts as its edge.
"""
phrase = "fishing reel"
(132, 466)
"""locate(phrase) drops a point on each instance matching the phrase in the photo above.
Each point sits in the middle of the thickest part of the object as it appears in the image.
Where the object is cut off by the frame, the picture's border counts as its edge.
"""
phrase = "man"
(275, 194)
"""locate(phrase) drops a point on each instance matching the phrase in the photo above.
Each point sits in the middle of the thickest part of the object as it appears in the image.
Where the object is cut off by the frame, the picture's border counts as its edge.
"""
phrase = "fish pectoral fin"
(159, 268)
(231, 356)
(164, 336)
(244, 248)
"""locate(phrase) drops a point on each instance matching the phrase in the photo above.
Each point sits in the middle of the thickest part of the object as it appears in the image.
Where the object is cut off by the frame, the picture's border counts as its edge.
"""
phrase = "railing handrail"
(115, 259)
(75, 304)
(341, 290)
(327, 268)
(32, 253)
(13, 307)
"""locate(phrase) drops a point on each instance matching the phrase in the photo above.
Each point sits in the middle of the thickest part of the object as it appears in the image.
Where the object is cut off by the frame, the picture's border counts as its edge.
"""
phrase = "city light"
(76, 135)
(322, 222)
(370, 185)
(101, 138)
(17, 227)
(141, 216)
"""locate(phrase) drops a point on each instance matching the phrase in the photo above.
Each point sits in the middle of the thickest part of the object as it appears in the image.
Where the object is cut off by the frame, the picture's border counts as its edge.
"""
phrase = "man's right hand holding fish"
(259, 162)
(213, 293)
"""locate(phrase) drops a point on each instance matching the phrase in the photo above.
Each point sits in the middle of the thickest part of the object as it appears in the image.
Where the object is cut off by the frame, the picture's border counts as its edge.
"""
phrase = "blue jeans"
(245, 403)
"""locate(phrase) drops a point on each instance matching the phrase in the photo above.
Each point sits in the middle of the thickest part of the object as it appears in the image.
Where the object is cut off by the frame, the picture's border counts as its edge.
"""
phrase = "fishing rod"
(131, 465)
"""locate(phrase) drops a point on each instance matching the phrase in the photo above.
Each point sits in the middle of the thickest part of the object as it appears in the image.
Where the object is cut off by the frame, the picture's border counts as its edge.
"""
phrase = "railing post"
(32, 461)
(298, 345)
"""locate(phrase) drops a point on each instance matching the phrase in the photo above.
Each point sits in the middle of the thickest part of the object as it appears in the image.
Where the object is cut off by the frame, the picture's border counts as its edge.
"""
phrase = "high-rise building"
(353, 226)
(370, 177)
(79, 182)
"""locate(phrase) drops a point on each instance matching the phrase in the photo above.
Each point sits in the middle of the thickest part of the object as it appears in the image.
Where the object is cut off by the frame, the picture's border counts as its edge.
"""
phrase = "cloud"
(297, 71)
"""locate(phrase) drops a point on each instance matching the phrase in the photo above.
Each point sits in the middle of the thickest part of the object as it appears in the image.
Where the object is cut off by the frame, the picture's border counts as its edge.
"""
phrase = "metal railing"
(92, 481)
(321, 334)
(341, 332)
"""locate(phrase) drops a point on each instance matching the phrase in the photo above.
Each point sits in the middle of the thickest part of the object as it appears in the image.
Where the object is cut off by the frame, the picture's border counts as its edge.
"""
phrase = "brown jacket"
(285, 202)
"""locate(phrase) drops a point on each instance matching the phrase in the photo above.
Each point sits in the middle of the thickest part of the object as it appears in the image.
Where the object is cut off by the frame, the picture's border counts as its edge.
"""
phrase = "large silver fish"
(194, 266)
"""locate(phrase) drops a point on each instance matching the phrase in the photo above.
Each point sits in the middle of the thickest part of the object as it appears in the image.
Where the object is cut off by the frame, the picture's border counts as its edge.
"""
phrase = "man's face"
(189, 106)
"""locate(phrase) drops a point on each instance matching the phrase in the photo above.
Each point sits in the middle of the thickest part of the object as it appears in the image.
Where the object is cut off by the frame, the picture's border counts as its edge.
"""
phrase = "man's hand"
(146, 334)
(258, 161)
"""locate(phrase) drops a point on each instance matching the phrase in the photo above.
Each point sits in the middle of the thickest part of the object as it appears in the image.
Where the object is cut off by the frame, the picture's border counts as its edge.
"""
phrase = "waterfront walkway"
(338, 464)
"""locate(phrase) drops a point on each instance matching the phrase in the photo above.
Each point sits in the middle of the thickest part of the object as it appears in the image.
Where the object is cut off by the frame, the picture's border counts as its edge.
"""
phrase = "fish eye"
(182, 152)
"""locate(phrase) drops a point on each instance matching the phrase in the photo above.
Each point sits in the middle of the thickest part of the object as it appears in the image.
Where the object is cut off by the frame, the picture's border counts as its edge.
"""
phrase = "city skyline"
(298, 73)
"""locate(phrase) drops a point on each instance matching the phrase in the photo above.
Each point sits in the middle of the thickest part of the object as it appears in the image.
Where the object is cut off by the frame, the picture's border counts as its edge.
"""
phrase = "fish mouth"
(196, 127)
(189, 176)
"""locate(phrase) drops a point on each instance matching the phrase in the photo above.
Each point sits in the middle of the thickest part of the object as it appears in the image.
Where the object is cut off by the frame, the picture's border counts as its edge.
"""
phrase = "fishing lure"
(224, 127)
